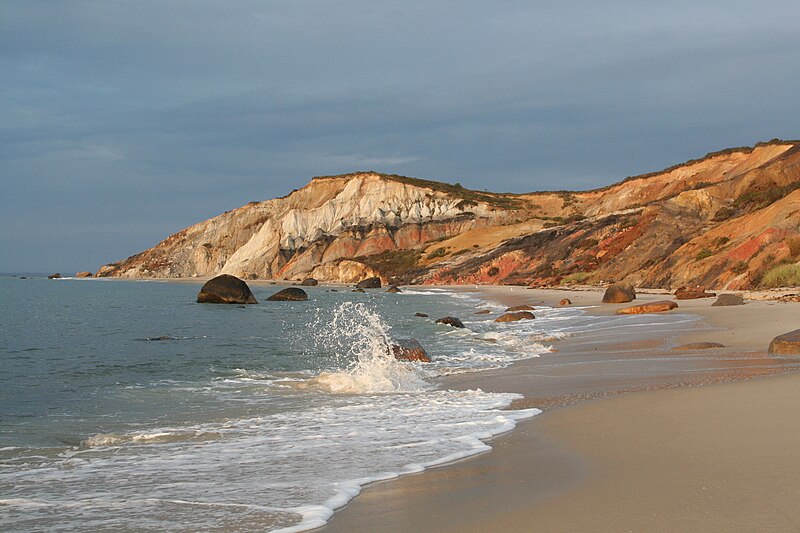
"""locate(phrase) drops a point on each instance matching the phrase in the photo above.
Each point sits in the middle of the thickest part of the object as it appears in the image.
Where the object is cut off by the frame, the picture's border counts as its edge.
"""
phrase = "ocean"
(127, 406)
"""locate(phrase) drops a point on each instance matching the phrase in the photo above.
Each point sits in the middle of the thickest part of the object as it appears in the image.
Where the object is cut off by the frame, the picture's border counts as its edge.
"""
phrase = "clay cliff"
(728, 220)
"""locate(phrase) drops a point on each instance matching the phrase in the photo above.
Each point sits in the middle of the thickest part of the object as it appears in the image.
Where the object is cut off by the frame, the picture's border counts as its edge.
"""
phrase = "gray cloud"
(121, 122)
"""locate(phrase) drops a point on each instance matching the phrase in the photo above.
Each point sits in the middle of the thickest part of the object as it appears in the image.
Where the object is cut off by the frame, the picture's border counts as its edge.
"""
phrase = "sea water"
(126, 406)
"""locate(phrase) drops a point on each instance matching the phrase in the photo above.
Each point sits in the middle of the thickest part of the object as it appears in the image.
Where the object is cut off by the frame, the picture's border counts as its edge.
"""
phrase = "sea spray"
(361, 344)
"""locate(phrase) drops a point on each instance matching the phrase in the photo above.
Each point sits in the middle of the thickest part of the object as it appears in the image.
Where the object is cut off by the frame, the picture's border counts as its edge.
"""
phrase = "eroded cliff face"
(313, 230)
(721, 221)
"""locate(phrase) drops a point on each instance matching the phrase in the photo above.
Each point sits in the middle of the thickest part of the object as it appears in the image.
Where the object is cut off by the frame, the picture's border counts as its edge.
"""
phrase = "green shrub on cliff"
(782, 276)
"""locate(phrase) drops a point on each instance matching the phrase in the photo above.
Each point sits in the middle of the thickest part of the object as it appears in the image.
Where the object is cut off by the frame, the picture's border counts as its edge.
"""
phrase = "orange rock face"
(653, 307)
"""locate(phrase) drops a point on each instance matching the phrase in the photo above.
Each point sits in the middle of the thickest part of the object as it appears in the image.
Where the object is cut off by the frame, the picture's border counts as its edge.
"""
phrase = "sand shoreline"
(586, 462)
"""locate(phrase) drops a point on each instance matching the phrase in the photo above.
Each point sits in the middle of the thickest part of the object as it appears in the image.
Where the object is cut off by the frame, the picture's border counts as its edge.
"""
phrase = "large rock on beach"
(565, 301)
(619, 293)
(699, 346)
(309, 282)
(515, 316)
(519, 308)
(292, 294)
(369, 283)
(54, 276)
(786, 344)
(225, 289)
(83, 274)
(693, 293)
(652, 307)
(728, 299)
(409, 350)
(450, 321)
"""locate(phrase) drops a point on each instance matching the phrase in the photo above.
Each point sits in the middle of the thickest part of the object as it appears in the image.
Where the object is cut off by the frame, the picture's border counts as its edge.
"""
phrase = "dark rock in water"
(692, 293)
(54, 276)
(83, 274)
(161, 338)
(273, 282)
(565, 301)
(409, 350)
(619, 293)
(225, 289)
(22, 277)
(309, 282)
(728, 299)
(786, 344)
(292, 294)
(393, 289)
(423, 315)
(515, 316)
(450, 321)
(483, 312)
(369, 283)
(699, 346)
(519, 308)
(333, 290)
(358, 290)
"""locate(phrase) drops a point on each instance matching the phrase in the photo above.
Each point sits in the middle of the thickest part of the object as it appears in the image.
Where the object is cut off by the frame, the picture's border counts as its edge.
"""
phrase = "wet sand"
(634, 436)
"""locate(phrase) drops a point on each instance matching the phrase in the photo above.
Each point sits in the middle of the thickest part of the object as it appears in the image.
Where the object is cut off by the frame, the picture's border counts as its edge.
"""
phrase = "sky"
(122, 122)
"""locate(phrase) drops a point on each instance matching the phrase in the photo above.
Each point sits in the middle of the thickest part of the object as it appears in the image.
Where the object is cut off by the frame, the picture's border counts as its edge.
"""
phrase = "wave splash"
(361, 345)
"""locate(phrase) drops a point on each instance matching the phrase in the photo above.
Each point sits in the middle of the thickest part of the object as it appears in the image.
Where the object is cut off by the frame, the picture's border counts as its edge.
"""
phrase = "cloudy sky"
(122, 122)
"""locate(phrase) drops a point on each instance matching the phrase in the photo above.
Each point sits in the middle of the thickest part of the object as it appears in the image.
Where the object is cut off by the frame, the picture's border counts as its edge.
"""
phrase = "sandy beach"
(634, 436)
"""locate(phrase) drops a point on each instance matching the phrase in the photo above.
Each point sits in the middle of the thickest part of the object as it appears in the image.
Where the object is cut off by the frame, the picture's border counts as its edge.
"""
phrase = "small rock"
(421, 314)
(692, 293)
(619, 293)
(225, 289)
(519, 308)
(83, 274)
(728, 299)
(565, 301)
(409, 350)
(358, 290)
(786, 344)
(483, 312)
(369, 283)
(54, 276)
(699, 346)
(450, 321)
(393, 289)
(291, 294)
(652, 307)
(309, 282)
(514, 316)
(161, 338)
